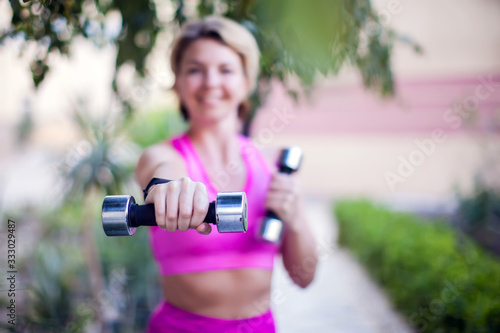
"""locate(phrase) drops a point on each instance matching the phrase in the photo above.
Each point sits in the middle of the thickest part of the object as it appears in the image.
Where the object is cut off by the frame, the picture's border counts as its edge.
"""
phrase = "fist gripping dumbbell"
(272, 227)
(121, 215)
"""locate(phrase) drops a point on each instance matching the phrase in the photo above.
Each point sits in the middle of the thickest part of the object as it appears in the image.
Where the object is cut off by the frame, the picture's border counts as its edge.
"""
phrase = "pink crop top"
(186, 252)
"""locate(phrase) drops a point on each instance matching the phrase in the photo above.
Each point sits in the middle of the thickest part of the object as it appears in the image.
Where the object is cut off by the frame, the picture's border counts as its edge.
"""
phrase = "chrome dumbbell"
(272, 227)
(121, 215)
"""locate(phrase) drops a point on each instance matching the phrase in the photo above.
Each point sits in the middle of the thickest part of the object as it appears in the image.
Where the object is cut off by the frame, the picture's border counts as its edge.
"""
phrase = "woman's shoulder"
(159, 159)
(160, 152)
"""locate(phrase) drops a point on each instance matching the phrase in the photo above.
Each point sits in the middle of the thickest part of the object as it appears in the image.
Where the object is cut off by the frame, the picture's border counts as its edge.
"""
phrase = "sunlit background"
(431, 150)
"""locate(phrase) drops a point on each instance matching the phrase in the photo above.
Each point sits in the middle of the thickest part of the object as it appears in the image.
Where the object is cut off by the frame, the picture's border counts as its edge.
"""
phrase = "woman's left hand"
(284, 198)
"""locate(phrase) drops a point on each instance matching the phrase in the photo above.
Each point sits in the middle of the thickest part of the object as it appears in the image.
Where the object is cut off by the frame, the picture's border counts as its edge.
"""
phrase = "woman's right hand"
(180, 205)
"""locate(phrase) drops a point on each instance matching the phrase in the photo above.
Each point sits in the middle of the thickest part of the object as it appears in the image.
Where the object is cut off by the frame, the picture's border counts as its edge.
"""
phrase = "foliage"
(479, 215)
(56, 279)
(478, 212)
(438, 278)
(132, 278)
(53, 24)
(295, 37)
(58, 296)
(155, 126)
(481, 208)
(113, 296)
(103, 160)
(24, 127)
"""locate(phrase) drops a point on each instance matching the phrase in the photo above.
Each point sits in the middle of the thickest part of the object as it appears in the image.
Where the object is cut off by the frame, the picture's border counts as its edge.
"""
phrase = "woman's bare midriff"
(229, 294)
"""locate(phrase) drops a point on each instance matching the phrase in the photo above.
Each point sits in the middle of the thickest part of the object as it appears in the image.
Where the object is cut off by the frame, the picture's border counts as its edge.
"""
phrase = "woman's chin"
(212, 114)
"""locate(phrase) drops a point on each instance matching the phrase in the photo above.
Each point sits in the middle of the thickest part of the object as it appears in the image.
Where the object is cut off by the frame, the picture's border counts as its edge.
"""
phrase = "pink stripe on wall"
(419, 106)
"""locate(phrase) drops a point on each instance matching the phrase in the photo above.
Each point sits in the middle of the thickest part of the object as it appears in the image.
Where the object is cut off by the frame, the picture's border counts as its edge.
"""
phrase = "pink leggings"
(168, 318)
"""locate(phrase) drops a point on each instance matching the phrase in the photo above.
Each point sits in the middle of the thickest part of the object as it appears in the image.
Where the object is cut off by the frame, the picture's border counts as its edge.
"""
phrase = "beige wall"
(356, 165)
(460, 38)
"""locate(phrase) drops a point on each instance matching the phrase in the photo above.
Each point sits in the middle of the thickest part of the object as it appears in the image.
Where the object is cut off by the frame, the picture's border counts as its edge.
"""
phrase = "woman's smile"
(209, 100)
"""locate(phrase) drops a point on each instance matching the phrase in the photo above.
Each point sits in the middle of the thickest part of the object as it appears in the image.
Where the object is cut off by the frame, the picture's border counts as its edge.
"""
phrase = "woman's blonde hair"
(227, 32)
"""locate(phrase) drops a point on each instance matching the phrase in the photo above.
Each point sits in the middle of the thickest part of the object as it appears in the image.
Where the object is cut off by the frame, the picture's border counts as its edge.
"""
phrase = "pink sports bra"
(186, 252)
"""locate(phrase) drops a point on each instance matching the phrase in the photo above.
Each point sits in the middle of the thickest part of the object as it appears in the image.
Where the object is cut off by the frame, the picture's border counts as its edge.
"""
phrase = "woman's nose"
(212, 78)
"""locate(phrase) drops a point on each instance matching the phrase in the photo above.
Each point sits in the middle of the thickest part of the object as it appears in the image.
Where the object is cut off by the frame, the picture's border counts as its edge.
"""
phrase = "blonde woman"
(218, 282)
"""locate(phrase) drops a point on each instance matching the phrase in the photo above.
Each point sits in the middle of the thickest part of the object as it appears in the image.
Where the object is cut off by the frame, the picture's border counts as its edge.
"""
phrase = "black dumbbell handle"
(287, 171)
(272, 215)
(144, 215)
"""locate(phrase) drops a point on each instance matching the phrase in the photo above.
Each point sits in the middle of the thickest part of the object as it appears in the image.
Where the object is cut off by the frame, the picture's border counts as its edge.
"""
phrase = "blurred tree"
(25, 126)
(100, 164)
(295, 37)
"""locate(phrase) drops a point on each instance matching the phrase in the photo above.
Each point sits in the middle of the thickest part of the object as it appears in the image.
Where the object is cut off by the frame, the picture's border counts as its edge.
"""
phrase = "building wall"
(445, 116)
(351, 137)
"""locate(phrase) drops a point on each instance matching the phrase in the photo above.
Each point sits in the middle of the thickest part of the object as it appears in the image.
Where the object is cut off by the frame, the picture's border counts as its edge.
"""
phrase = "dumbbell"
(272, 227)
(121, 215)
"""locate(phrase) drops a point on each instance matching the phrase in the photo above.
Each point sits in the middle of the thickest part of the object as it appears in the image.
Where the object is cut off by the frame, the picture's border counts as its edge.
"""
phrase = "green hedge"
(439, 280)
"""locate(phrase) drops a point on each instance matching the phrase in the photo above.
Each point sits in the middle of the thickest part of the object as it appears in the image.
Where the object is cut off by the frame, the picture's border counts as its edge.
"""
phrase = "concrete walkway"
(341, 299)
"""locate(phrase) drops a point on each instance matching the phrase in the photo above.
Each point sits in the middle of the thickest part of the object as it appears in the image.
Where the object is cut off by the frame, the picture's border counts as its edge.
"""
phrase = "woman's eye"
(226, 71)
(192, 70)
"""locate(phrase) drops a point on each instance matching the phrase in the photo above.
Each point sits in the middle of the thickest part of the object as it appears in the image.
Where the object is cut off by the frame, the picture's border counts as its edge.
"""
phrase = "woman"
(216, 282)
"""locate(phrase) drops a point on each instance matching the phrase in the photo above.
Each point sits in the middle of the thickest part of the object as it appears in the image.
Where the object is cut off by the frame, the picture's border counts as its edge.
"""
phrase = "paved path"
(341, 299)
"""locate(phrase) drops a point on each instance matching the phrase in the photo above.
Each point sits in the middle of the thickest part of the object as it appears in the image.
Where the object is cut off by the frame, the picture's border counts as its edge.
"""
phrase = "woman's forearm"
(299, 252)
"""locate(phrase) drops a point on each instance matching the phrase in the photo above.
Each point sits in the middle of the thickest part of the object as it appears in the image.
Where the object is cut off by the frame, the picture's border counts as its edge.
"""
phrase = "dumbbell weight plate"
(232, 212)
(290, 159)
(114, 215)
(272, 228)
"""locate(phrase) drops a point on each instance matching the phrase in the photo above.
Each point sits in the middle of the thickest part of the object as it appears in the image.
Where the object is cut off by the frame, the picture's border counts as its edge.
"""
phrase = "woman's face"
(211, 82)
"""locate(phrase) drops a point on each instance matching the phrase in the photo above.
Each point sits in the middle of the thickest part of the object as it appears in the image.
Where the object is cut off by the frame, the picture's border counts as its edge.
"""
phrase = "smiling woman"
(213, 282)
(226, 33)
(210, 81)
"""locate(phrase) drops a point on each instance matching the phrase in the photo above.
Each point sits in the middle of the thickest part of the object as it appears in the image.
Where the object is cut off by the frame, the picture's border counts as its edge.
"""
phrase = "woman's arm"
(299, 250)
(299, 246)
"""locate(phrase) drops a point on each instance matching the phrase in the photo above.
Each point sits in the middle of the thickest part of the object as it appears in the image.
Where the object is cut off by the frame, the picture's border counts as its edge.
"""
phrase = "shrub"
(435, 276)
(478, 215)
(57, 295)
(154, 126)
